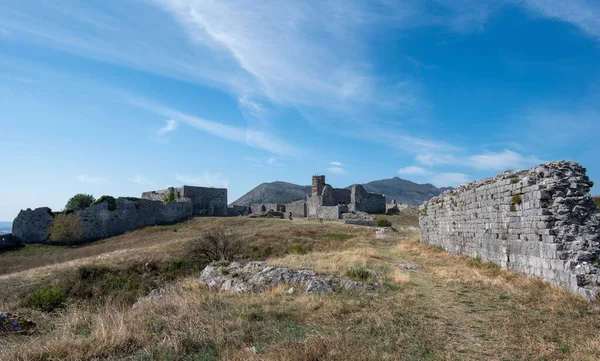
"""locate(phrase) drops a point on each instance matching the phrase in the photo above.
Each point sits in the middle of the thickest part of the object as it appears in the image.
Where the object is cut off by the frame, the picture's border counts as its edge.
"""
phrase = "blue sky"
(118, 97)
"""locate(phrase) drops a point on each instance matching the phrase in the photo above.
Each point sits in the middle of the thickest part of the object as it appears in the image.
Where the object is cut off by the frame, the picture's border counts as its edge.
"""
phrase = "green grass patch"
(301, 248)
(383, 223)
(47, 298)
(338, 236)
(358, 273)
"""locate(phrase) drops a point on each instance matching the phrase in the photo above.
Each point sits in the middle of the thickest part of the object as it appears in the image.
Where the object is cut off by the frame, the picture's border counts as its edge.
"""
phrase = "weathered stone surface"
(9, 242)
(205, 201)
(13, 323)
(31, 226)
(380, 231)
(100, 222)
(256, 276)
(540, 222)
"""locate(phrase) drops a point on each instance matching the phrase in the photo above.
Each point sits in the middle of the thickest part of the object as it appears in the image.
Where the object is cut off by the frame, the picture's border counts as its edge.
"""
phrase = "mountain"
(404, 191)
(399, 189)
(275, 192)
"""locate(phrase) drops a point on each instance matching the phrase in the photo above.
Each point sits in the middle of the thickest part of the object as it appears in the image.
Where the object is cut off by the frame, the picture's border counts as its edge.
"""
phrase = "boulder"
(13, 323)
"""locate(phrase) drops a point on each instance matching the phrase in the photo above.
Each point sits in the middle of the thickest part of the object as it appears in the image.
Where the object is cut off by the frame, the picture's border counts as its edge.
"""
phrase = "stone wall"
(100, 222)
(235, 210)
(539, 222)
(331, 212)
(363, 201)
(206, 201)
(297, 208)
(31, 226)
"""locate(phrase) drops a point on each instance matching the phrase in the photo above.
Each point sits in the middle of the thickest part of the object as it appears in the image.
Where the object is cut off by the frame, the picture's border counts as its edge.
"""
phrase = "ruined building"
(206, 201)
(330, 203)
(541, 222)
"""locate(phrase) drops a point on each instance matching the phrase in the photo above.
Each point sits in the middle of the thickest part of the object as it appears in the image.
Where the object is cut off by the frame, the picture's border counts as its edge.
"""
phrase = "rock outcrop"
(540, 222)
(10, 323)
(256, 276)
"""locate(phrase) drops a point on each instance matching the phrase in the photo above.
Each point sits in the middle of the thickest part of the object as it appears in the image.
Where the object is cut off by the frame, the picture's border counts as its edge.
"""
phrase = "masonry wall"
(207, 201)
(31, 226)
(297, 208)
(540, 222)
(363, 201)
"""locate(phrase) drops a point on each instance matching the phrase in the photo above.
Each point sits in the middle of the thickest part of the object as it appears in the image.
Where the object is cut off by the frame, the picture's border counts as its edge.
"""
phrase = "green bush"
(79, 201)
(383, 223)
(338, 236)
(300, 248)
(517, 199)
(357, 273)
(112, 203)
(597, 201)
(169, 198)
(66, 228)
(47, 298)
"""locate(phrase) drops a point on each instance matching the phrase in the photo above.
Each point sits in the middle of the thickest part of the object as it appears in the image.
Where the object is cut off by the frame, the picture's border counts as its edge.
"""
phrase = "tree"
(79, 201)
(66, 228)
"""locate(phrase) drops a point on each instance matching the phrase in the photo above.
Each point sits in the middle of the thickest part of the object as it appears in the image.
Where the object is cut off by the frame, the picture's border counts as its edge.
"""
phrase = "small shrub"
(517, 199)
(79, 201)
(47, 298)
(338, 236)
(597, 201)
(514, 180)
(357, 273)
(383, 223)
(513, 208)
(218, 245)
(169, 198)
(174, 267)
(66, 228)
(112, 204)
(300, 248)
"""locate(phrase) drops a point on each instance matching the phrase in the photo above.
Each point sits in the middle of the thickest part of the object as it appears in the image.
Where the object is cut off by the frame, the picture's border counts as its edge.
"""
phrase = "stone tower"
(318, 183)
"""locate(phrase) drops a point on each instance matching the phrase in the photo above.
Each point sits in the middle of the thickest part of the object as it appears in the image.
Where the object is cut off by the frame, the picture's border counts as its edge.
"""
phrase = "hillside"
(404, 191)
(429, 305)
(398, 189)
(275, 192)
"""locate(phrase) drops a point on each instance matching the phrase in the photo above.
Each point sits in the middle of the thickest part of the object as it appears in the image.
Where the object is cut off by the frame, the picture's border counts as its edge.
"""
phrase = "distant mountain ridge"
(398, 189)
(274, 192)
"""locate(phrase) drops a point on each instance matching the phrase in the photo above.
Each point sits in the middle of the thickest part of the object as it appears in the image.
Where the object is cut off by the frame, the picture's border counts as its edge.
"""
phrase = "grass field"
(449, 308)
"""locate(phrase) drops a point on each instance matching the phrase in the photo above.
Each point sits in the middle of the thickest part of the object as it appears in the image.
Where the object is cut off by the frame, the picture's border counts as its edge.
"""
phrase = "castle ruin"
(328, 203)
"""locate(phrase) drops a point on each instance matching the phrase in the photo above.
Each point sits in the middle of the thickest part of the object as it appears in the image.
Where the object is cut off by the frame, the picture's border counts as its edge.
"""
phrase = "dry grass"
(452, 308)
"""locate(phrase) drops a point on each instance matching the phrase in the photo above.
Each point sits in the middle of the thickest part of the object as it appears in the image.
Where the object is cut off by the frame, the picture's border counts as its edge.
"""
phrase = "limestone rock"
(13, 323)
(257, 276)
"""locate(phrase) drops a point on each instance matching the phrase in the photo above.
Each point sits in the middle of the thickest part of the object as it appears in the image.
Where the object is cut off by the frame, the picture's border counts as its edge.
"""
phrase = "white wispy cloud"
(138, 179)
(206, 179)
(583, 14)
(252, 137)
(94, 180)
(502, 161)
(338, 164)
(162, 133)
(449, 179)
(413, 170)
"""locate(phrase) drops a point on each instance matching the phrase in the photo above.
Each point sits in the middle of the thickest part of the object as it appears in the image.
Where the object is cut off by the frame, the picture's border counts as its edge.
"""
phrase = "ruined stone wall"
(162, 194)
(100, 222)
(235, 210)
(207, 201)
(363, 201)
(31, 226)
(539, 222)
(331, 212)
(297, 208)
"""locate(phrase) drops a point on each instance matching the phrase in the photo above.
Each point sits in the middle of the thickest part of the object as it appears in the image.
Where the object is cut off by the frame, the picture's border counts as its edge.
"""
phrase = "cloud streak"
(93, 180)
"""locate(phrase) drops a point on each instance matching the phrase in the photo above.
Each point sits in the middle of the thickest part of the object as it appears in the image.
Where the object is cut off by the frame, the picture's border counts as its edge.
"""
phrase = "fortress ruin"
(541, 222)
(328, 203)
